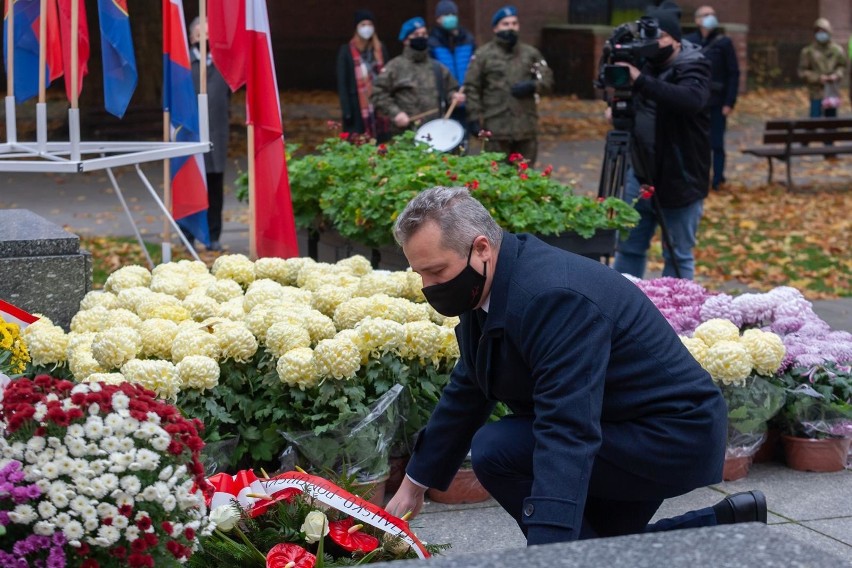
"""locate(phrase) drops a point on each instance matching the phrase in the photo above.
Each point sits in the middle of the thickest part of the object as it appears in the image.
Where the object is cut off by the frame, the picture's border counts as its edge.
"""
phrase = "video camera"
(629, 43)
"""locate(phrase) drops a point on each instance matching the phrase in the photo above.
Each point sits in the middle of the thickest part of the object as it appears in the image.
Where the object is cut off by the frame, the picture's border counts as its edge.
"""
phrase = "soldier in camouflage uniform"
(502, 86)
(407, 86)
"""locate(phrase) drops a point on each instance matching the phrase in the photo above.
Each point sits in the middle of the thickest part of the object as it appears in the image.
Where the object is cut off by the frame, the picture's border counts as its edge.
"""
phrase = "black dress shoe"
(748, 507)
(216, 246)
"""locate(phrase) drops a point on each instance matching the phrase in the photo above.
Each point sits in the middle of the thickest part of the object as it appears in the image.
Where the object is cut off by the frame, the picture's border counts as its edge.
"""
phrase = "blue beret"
(409, 26)
(503, 12)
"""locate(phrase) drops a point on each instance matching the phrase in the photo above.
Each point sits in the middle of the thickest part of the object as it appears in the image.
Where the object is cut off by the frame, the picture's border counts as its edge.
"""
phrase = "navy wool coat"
(582, 350)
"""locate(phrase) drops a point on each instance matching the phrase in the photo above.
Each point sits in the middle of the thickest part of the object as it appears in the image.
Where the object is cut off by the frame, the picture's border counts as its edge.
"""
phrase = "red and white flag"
(275, 226)
(65, 15)
(228, 38)
(14, 314)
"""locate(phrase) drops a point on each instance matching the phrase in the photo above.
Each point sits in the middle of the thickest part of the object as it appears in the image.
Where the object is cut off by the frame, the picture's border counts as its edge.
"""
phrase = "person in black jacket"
(358, 64)
(670, 151)
(724, 82)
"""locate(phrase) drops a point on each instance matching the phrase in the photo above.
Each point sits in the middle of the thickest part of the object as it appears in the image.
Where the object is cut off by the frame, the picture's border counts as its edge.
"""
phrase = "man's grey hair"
(193, 25)
(460, 217)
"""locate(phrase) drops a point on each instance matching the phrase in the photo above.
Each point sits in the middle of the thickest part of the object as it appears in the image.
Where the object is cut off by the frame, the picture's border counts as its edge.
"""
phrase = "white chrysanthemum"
(449, 344)
(157, 335)
(297, 368)
(423, 340)
(201, 307)
(450, 322)
(114, 347)
(282, 337)
(766, 349)
(106, 378)
(319, 325)
(89, 320)
(194, 341)
(262, 291)
(153, 374)
(274, 269)
(352, 336)
(121, 317)
(198, 372)
(293, 295)
(357, 264)
(696, 347)
(233, 309)
(80, 341)
(715, 330)
(261, 318)
(235, 341)
(728, 362)
(235, 267)
(130, 298)
(82, 363)
(225, 289)
(153, 309)
(382, 282)
(94, 298)
(349, 313)
(326, 298)
(171, 284)
(380, 336)
(47, 344)
(413, 287)
(127, 277)
(337, 358)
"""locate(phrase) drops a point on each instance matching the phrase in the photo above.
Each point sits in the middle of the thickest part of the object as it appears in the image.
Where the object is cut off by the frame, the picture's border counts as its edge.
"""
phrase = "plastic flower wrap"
(117, 472)
(235, 267)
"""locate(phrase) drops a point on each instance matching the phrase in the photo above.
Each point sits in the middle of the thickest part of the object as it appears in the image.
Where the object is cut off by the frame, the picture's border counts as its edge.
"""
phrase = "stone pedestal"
(42, 269)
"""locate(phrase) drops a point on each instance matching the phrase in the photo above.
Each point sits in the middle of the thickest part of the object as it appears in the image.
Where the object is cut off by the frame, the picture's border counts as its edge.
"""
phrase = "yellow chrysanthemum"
(153, 374)
(157, 335)
(224, 289)
(381, 282)
(423, 341)
(127, 277)
(198, 372)
(283, 337)
(766, 349)
(235, 341)
(728, 362)
(696, 347)
(715, 330)
(47, 344)
(297, 368)
(121, 317)
(337, 358)
(379, 336)
(235, 267)
(105, 378)
(12, 341)
(195, 341)
(89, 320)
(94, 298)
(113, 347)
(201, 307)
(357, 264)
(326, 298)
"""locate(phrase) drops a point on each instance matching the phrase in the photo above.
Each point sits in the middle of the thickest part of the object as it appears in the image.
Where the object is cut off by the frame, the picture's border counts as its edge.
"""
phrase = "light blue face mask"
(450, 22)
(822, 36)
(709, 22)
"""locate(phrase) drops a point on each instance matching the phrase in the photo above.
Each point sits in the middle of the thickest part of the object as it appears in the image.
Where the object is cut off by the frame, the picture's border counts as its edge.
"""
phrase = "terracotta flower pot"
(822, 455)
(397, 472)
(374, 491)
(464, 488)
(736, 468)
(769, 450)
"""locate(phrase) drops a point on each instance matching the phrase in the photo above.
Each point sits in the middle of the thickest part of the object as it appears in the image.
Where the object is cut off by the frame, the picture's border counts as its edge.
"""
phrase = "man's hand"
(458, 98)
(401, 120)
(523, 89)
(407, 499)
(608, 113)
(634, 72)
(726, 110)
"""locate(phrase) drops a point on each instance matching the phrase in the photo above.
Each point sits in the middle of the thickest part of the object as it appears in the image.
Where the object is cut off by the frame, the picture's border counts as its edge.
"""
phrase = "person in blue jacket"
(453, 46)
(610, 413)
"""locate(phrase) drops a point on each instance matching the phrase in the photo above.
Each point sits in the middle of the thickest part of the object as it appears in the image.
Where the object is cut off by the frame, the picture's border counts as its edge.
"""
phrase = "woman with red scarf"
(358, 64)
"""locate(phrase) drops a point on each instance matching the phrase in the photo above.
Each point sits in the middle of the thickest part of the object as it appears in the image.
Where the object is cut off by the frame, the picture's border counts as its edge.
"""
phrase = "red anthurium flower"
(262, 505)
(346, 535)
(287, 555)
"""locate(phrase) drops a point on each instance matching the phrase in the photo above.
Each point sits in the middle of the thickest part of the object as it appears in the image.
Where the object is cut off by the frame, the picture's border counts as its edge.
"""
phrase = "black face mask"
(462, 293)
(418, 43)
(660, 58)
(507, 37)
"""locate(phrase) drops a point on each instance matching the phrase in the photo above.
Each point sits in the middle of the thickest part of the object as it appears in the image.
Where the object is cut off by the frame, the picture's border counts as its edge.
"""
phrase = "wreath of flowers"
(117, 473)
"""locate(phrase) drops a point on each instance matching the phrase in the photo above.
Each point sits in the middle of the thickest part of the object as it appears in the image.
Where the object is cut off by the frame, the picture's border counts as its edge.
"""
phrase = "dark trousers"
(618, 503)
(215, 190)
(528, 148)
(718, 122)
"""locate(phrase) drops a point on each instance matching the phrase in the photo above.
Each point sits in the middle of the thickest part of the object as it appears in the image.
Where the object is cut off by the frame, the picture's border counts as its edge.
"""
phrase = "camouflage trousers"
(528, 148)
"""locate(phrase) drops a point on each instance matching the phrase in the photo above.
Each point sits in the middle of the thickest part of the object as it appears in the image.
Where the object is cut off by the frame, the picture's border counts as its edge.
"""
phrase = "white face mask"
(366, 32)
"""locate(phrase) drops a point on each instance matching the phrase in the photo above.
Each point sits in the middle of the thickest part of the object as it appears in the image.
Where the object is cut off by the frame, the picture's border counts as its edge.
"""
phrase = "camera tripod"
(613, 179)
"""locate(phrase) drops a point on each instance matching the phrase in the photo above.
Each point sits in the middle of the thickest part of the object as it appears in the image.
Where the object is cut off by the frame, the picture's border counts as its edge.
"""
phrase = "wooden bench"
(783, 139)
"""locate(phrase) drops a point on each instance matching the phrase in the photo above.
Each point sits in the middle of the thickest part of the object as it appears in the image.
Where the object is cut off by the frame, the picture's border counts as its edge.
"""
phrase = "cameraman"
(670, 150)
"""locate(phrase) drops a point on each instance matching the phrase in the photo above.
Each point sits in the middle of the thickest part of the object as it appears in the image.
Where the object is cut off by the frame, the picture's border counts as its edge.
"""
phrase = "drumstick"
(423, 114)
(453, 104)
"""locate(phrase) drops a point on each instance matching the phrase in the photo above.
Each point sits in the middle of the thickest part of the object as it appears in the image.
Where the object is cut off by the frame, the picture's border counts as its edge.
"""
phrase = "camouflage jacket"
(820, 59)
(407, 84)
(487, 86)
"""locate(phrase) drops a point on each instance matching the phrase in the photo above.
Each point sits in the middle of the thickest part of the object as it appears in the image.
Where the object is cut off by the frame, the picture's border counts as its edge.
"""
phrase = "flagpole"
(11, 123)
(167, 192)
(74, 111)
(41, 107)
(203, 113)
(252, 197)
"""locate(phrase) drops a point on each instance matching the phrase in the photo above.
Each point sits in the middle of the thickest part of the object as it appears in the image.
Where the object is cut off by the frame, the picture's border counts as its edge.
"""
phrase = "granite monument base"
(42, 269)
